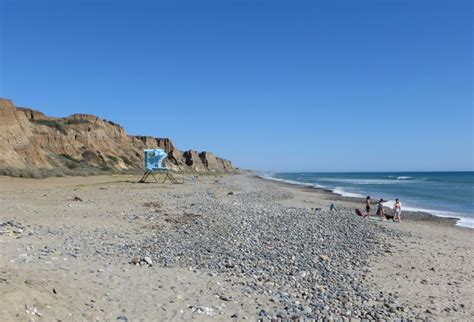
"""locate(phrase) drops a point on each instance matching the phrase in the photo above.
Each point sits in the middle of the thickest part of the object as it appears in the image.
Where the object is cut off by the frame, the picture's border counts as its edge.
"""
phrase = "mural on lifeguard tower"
(154, 159)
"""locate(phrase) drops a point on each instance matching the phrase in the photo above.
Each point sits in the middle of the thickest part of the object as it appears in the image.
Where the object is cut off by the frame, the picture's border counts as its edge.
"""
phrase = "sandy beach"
(224, 248)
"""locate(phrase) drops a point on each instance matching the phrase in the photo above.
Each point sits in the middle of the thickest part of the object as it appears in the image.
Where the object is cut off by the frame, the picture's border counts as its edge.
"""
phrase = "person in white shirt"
(398, 210)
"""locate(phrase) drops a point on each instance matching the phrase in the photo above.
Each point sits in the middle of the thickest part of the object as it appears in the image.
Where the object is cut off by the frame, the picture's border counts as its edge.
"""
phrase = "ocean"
(444, 194)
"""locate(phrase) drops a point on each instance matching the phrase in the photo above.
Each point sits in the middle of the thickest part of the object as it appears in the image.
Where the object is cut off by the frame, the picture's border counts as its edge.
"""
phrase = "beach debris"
(200, 309)
(122, 318)
(303, 274)
(141, 261)
(46, 252)
(230, 193)
(226, 298)
(11, 228)
(324, 257)
(76, 198)
(184, 219)
(228, 263)
(148, 260)
(153, 205)
(30, 309)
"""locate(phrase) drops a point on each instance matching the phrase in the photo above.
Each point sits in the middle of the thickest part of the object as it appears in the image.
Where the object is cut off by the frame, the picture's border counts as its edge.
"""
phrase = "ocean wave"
(298, 183)
(362, 181)
(344, 193)
(465, 222)
(404, 178)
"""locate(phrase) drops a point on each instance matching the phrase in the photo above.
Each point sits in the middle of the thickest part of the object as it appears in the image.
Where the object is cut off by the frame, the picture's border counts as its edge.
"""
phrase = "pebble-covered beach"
(226, 248)
(312, 263)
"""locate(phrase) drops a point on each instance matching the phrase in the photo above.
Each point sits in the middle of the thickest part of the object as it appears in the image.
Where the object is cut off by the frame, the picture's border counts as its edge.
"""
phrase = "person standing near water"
(367, 206)
(398, 210)
(380, 211)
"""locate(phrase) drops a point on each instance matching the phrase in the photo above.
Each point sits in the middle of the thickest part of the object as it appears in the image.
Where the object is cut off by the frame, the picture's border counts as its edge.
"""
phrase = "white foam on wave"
(403, 178)
(465, 222)
(268, 176)
(389, 203)
(344, 193)
(337, 190)
(362, 181)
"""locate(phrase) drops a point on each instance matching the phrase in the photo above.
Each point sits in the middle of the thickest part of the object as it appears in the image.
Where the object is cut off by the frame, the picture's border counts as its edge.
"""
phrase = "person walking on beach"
(367, 206)
(398, 210)
(380, 211)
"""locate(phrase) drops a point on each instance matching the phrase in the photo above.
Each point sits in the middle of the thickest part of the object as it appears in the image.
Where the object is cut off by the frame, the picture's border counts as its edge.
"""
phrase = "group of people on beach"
(397, 207)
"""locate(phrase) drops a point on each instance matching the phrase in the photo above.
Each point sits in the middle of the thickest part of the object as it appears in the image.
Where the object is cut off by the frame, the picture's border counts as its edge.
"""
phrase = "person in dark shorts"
(367, 206)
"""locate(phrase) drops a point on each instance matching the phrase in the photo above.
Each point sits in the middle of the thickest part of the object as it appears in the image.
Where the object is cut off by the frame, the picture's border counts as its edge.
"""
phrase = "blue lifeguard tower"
(154, 162)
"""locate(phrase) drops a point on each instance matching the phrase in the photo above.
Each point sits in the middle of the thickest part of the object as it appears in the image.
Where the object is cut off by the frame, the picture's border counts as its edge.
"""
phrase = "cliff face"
(30, 139)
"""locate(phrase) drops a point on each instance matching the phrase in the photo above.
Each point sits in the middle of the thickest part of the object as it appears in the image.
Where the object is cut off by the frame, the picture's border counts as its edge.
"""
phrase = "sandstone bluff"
(84, 144)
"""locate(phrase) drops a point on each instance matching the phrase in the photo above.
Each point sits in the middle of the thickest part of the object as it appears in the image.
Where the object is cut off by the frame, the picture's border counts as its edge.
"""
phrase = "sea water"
(445, 194)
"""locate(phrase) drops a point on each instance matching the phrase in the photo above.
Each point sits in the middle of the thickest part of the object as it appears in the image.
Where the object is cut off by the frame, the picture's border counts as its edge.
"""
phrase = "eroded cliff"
(82, 143)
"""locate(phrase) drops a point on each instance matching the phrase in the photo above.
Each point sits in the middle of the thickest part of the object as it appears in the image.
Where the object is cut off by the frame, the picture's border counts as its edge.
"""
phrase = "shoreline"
(406, 214)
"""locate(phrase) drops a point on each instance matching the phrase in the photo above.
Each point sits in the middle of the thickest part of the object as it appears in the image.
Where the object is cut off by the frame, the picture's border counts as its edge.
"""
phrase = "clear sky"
(271, 85)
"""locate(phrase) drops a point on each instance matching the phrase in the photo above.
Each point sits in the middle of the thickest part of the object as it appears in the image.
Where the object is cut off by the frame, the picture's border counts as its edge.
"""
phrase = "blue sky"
(271, 85)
